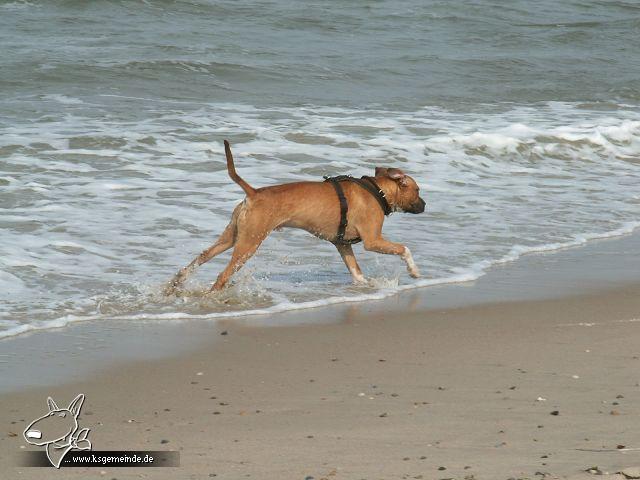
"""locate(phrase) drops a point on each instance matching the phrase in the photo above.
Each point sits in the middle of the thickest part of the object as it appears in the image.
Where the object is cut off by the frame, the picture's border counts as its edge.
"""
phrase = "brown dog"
(316, 208)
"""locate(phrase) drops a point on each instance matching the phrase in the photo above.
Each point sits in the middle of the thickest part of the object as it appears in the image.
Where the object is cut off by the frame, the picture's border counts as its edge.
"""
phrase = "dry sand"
(459, 393)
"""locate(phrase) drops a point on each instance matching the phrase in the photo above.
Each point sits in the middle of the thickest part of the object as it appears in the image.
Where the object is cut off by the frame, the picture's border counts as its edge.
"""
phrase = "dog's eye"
(63, 414)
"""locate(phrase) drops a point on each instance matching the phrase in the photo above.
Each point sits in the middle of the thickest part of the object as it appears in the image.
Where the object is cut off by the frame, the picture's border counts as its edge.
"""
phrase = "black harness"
(370, 185)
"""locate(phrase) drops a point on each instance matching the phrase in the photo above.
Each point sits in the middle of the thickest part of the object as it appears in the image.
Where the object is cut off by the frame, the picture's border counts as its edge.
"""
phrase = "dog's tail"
(248, 189)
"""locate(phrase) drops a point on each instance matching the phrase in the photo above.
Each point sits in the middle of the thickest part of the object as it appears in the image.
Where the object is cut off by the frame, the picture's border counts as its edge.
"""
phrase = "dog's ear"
(393, 173)
(51, 404)
(76, 405)
(396, 174)
(381, 171)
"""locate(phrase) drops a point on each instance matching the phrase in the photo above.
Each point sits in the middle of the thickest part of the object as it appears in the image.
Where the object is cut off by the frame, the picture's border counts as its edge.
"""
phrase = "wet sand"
(495, 390)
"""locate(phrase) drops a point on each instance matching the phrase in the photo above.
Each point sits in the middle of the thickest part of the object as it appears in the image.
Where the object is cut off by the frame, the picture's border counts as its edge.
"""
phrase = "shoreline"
(35, 358)
(461, 377)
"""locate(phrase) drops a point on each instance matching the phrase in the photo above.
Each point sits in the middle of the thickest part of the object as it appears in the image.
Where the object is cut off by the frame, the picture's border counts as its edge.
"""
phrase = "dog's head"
(407, 198)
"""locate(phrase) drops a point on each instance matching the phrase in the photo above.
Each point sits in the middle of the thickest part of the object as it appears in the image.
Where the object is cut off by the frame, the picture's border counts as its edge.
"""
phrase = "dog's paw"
(168, 291)
(171, 289)
(357, 278)
(411, 265)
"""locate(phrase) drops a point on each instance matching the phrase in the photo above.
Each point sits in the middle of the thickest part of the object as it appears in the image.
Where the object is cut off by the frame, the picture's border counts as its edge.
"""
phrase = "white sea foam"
(16, 5)
(64, 99)
(387, 288)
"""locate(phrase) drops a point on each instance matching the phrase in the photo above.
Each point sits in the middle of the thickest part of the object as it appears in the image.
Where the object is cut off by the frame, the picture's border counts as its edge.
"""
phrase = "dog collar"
(372, 187)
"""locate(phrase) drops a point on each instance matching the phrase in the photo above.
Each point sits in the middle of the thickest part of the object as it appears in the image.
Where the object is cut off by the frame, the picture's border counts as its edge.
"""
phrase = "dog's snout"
(418, 206)
(34, 434)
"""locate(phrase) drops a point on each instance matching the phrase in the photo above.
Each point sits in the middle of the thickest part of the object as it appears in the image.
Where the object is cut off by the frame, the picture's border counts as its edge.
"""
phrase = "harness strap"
(370, 185)
(343, 209)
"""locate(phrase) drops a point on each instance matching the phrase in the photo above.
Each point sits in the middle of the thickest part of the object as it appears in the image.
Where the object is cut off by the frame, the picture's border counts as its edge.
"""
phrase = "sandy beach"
(545, 387)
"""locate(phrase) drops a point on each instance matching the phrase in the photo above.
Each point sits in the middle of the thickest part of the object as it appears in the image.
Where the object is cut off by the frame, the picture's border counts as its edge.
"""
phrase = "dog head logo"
(57, 430)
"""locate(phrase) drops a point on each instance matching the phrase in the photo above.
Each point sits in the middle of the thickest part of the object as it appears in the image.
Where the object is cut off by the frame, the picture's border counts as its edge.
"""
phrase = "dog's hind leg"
(224, 242)
(243, 251)
(349, 259)
(252, 230)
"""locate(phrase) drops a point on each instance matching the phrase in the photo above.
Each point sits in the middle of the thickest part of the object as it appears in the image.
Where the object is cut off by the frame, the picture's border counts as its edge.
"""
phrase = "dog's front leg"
(349, 259)
(411, 265)
(380, 245)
